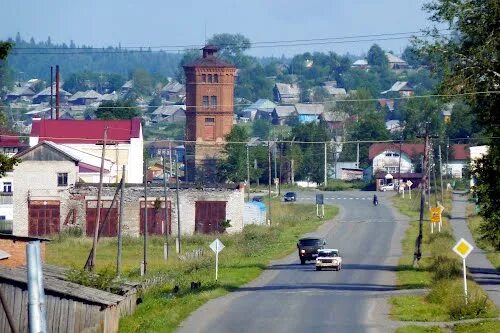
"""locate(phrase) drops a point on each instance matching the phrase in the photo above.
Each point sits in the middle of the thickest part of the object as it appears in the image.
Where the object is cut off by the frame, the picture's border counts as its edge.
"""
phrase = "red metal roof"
(410, 149)
(458, 151)
(85, 131)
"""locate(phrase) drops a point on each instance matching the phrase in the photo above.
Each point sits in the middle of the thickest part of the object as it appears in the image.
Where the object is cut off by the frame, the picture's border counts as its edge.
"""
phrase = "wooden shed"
(70, 307)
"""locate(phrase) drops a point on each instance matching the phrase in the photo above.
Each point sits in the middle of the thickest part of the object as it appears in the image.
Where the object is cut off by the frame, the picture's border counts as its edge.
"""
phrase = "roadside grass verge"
(244, 257)
(474, 221)
(420, 329)
(439, 269)
(485, 326)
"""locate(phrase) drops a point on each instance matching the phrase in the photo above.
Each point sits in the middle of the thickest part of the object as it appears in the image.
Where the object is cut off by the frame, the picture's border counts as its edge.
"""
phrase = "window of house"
(7, 187)
(2, 218)
(216, 78)
(62, 179)
(209, 78)
(213, 101)
(203, 78)
(205, 101)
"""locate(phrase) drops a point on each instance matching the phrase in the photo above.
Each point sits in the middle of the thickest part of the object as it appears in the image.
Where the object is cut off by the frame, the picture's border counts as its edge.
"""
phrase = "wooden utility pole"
(165, 246)
(418, 242)
(99, 191)
(178, 240)
(269, 176)
(145, 250)
(120, 225)
(248, 175)
(441, 174)
(325, 180)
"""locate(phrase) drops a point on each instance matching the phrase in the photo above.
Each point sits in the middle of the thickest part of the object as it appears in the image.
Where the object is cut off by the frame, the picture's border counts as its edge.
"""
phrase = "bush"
(477, 306)
(342, 185)
(445, 268)
(103, 279)
(70, 232)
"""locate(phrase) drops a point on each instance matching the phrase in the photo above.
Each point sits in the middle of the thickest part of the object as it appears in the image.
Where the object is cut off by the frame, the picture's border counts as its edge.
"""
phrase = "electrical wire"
(258, 44)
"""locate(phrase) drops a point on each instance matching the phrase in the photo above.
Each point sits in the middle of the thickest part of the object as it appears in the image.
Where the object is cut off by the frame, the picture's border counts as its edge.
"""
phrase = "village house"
(282, 114)
(124, 143)
(396, 62)
(44, 95)
(361, 64)
(400, 87)
(307, 113)
(49, 198)
(285, 93)
(261, 109)
(169, 114)
(173, 91)
(20, 93)
(335, 121)
(85, 97)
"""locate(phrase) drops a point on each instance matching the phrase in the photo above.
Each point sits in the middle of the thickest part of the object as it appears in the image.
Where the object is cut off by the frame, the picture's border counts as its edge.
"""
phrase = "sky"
(153, 23)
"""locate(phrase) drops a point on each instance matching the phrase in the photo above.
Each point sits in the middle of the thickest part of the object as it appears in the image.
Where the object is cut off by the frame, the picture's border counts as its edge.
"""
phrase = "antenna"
(205, 32)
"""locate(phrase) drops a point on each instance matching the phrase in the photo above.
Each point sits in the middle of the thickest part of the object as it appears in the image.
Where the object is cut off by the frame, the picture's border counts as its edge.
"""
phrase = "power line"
(92, 50)
(250, 45)
(307, 103)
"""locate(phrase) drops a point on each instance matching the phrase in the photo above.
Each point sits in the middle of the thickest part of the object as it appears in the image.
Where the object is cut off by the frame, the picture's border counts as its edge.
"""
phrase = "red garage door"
(44, 217)
(156, 218)
(209, 215)
(111, 226)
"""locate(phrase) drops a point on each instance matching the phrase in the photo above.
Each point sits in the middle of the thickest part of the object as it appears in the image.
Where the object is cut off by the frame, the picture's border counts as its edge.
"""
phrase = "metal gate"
(44, 217)
(156, 217)
(111, 227)
(209, 215)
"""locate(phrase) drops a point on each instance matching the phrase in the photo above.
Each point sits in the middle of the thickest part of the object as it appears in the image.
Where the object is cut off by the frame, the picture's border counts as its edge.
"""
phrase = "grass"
(245, 256)
(419, 329)
(474, 221)
(439, 269)
(484, 326)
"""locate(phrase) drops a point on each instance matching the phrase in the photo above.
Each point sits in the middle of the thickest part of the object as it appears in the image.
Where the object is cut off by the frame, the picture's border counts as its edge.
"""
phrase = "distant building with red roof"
(124, 144)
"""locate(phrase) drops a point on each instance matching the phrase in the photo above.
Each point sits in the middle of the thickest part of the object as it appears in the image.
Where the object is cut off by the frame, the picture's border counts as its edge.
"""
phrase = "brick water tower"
(209, 113)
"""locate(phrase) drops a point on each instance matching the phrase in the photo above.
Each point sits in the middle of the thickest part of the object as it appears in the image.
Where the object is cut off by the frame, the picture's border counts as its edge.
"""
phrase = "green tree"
(143, 82)
(232, 48)
(376, 57)
(462, 123)
(261, 128)
(117, 110)
(312, 154)
(470, 59)
(6, 163)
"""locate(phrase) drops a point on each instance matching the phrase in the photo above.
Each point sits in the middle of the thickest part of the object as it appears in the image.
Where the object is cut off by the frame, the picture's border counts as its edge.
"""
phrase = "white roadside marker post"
(463, 249)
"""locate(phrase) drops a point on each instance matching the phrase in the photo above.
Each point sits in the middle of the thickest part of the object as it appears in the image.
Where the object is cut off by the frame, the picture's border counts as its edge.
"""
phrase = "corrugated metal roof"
(394, 59)
(288, 89)
(284, 111)
(314, 109)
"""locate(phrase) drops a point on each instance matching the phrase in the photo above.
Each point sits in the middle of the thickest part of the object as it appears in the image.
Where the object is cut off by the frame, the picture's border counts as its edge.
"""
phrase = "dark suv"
(290, 196)
(308, 248)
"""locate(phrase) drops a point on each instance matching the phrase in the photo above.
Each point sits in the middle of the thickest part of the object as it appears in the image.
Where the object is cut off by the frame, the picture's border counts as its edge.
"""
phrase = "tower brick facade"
(209, 112)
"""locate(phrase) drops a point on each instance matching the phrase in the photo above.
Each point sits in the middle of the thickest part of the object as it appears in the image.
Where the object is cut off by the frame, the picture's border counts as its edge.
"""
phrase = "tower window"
(209, 120)
(205, 101)
(209, 78)
(213, 102)
(216, 78)
(203, 77)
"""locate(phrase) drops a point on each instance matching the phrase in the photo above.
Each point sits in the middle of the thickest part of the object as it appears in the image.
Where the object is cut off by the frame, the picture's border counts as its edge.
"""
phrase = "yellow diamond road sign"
(463, 248)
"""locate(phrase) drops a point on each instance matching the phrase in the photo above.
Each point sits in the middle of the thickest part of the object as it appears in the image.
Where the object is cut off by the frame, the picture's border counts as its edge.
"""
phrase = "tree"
(261, 128)
(231, 47)
(376, 57)
(470, 59)
(117, 110)
(312, 154)
(6, 163)
(143, 82)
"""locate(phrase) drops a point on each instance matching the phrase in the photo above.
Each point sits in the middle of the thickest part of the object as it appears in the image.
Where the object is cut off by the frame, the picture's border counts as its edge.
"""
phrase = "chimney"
(57, 92)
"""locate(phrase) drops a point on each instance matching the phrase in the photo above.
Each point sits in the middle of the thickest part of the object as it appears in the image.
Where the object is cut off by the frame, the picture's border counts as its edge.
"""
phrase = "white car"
(388, 187)
(328, 258)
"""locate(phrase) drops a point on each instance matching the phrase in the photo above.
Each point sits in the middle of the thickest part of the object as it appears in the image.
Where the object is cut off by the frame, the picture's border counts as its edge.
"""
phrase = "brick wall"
(17, 251)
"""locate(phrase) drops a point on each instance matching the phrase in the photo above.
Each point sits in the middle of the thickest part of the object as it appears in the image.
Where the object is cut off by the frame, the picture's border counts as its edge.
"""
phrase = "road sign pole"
(216, 260)
(465, 281)
(432, 227)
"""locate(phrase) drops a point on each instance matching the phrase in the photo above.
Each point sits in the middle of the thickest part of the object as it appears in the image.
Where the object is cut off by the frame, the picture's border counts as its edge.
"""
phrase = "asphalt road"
(289, 297)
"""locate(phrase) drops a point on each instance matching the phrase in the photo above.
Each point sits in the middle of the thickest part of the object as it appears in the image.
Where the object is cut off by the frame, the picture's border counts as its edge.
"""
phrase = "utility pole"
(357, 155)
(325, 169)
(248, 175)
(170, 156)
(120, 225)
(418, 242)
(441, 174)
(429, 175)
(51, 92)
(178, 240)
(275, 151)
(281, 167)
(145, 251)
(269, 180)
(99, 191)
(399, 167)
(435, 182)
(165, 227)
